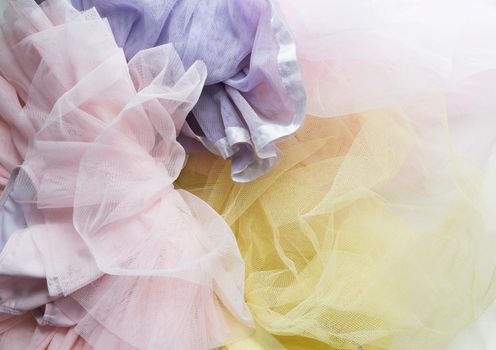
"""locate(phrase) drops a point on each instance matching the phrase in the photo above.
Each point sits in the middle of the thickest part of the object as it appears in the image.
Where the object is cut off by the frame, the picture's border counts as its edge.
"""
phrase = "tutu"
(368, 234)
(253, 92)
(375, 230)
(112, 241)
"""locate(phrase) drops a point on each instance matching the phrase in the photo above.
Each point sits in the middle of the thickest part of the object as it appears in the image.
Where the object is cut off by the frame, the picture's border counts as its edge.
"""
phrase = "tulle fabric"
(6, 161)
(479, 335)
(361, 55)
(374, 232)
(253, 92)
(130, 262)
(9, 158)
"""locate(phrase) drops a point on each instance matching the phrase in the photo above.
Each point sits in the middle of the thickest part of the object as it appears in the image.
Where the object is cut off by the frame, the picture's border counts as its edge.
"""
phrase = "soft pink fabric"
(132, 262)
(9, 156)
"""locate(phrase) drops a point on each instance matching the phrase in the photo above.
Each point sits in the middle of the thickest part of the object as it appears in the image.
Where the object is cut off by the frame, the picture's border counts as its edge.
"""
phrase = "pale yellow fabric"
(370, 233)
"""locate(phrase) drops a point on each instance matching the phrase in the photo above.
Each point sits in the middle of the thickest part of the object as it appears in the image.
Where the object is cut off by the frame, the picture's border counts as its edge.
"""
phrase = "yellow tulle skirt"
(374, 231)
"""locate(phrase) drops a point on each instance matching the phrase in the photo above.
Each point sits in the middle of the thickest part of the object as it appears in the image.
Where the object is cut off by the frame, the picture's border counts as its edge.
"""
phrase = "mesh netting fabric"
(98, 138)
(373, 54)
(373, 232)
(253, 93)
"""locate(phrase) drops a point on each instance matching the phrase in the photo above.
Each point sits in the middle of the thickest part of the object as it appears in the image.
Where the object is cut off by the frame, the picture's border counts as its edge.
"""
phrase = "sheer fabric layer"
(365, 55)
(373, 232)
(116, 241)
(253, 94)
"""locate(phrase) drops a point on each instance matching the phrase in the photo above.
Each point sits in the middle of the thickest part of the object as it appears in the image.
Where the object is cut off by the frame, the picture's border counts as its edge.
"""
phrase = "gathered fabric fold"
(253, 94)
(113, 241)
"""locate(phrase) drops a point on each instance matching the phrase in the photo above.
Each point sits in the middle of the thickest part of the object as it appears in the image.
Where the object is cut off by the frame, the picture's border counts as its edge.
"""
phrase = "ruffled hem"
(116, 242)
(253, 84)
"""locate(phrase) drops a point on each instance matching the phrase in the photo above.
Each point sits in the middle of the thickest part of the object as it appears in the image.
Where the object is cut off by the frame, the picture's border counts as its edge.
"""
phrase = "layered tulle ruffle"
(375, 230)
(372, 233)
(114, 242)
(253, 92)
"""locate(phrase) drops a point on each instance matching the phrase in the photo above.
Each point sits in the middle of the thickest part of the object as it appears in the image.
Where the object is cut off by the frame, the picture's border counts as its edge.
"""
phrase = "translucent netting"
(9, 156)
(28, 59)
(99, 140)
(479, 335)
(360, 55)
(374, 232)
(253, 92)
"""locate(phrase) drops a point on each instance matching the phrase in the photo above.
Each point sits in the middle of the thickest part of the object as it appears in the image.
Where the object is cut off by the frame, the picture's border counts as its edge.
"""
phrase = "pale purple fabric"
(253, 94)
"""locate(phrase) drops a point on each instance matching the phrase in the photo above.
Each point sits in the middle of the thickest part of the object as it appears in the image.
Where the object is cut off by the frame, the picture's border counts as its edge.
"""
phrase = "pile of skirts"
(248, 174)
